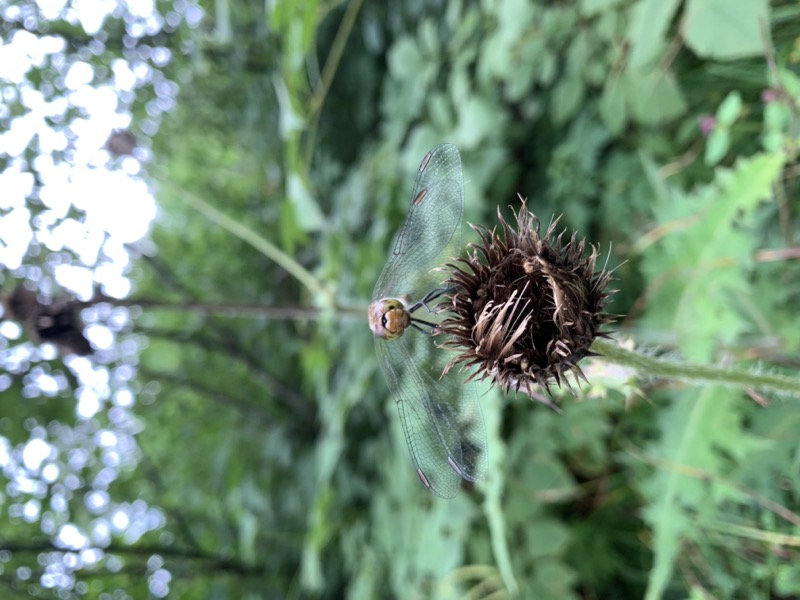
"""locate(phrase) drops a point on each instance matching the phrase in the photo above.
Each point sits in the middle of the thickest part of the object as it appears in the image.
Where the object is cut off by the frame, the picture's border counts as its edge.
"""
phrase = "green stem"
(776, 539)
(328, 73)
(320, 294)
(237, 309)
(693, 373)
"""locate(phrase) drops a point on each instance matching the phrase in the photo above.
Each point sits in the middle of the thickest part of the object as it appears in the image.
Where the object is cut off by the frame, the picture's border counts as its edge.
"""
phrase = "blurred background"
(196, 199)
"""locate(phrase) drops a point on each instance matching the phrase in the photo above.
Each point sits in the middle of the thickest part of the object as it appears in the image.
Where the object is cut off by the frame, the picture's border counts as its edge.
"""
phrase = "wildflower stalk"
(664, 368)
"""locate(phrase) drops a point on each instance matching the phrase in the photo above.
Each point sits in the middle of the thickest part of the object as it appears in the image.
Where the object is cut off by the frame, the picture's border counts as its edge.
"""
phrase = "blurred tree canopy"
(230, 434)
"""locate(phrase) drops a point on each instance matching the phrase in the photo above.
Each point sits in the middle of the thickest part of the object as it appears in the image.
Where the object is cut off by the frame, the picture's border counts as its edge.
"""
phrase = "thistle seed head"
(525, 307)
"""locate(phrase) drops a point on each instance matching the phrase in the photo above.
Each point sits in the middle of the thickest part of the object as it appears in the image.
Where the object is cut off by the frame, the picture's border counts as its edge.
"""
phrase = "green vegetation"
(666, 131)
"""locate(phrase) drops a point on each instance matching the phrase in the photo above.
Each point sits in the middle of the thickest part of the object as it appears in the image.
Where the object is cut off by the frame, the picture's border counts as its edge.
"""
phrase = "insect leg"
(430, 297)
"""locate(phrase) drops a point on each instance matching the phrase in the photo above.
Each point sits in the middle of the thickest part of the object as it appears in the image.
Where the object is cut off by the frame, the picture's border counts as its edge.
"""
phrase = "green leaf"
(548, 69)
(428, 37)
(405, 59)
(726, 29)
(291, 118)
(691, 428)
(307, 213)
(249, 529)
(787, 582)
(476, 121)
(717, 146)
(703, 437)
(654, 96)
(650, 20)
(512, 19)
(612, 104)
(714, 238)
(729, 110)
(591, 8)
(318, 536)
(567, 97)
(696, 263)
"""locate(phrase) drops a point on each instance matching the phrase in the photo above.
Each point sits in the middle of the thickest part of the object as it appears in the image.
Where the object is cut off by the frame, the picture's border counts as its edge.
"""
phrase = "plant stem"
(655, 366)
(321, 294)
(236, 309)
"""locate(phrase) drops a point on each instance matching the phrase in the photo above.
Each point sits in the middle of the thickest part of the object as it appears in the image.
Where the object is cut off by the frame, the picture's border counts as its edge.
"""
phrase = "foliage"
(263, 450)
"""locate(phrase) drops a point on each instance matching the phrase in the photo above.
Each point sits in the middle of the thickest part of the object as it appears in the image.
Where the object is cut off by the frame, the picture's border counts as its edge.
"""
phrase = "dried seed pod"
(525, 307)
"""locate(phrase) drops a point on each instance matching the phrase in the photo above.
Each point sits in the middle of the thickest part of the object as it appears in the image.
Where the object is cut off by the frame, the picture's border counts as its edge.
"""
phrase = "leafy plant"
(260, 445)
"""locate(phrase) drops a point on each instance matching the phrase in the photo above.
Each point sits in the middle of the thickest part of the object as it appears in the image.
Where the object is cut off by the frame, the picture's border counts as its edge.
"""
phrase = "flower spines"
(525, 307)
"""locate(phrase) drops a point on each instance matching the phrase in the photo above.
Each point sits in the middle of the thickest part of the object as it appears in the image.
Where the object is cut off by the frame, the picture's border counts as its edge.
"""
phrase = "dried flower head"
(525, 307)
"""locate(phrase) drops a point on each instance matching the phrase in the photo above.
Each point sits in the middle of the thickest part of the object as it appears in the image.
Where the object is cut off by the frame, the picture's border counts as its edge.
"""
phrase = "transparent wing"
(432, 231)
(441, 417)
